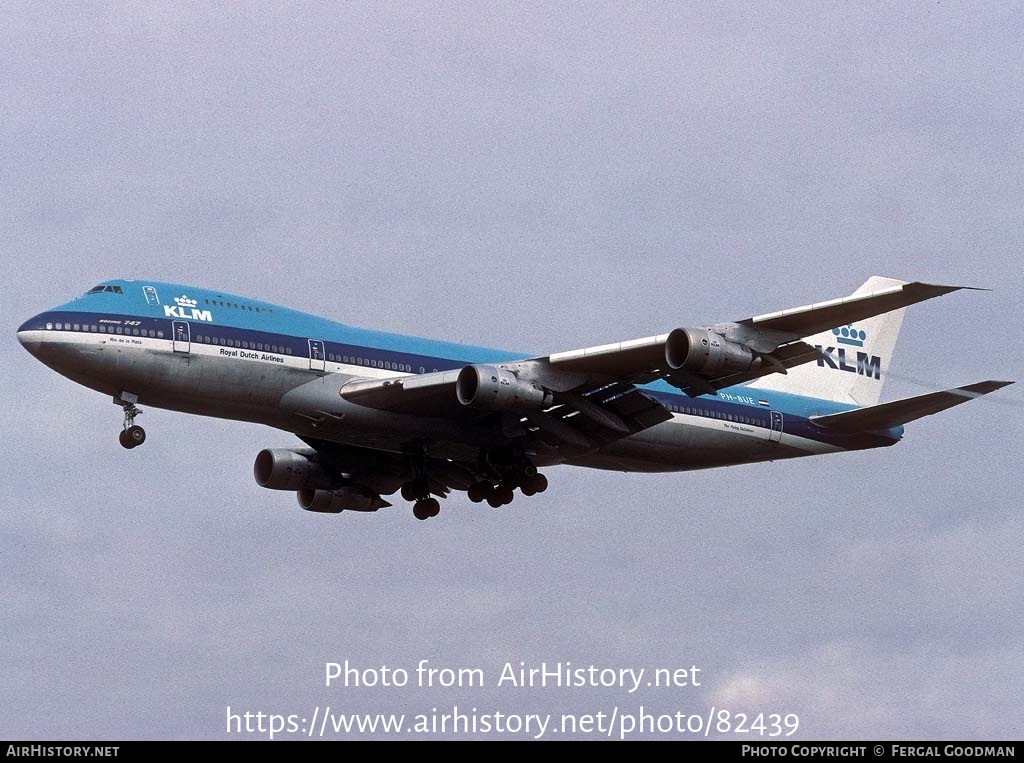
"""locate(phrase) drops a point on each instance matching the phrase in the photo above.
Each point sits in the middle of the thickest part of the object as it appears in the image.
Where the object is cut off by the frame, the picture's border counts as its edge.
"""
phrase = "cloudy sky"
(540, 177)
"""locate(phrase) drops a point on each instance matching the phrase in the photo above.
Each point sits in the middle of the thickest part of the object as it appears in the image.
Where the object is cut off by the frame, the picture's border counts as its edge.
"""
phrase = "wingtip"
(941, 288)
(985, 387)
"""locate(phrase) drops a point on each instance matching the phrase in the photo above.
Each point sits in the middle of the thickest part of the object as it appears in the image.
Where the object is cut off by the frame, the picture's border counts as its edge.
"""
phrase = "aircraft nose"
(30, 337)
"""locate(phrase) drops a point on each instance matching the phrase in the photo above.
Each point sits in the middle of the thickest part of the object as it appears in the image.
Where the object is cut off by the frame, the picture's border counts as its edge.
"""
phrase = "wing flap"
(899, 412)
(598, 415)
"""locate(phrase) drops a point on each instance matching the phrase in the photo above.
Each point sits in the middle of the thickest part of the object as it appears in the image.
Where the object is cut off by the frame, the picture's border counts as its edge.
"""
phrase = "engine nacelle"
(281, 469)
(703, 350)
(343, 499)
(495, 389)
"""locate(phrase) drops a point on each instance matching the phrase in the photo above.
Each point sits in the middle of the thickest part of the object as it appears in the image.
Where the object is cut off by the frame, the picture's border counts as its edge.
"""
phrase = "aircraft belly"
(318, 410)
(205, 384)
(679, 446)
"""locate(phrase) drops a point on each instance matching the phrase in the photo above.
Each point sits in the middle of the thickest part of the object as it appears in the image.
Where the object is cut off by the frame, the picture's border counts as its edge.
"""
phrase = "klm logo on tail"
(867, 365)
(851, 336)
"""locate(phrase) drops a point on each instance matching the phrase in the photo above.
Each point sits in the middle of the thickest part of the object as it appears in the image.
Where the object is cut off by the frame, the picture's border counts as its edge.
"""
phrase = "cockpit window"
(105, 287)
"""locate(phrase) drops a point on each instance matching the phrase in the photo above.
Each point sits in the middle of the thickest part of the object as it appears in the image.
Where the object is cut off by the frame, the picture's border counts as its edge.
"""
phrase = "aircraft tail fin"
(899, 412)
(854, 358)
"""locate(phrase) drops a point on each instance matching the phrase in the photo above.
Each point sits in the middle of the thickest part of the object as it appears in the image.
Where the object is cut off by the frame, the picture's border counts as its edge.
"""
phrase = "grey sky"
(542, 178)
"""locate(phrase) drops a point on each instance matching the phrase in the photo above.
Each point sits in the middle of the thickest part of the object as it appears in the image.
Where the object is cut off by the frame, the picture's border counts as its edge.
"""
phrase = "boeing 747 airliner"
(381, 413)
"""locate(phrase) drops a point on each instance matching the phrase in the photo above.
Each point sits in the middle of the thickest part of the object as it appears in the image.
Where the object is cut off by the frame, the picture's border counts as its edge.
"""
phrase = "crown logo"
(849, 335)
(184, 301)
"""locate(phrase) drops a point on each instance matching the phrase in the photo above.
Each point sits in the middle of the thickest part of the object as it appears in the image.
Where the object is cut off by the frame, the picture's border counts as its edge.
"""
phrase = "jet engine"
(351, 498)
(703, 350)
(496, 389)
(282, 469)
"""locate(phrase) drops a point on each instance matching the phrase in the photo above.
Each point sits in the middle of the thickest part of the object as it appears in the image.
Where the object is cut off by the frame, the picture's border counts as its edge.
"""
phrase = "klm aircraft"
(381, 413)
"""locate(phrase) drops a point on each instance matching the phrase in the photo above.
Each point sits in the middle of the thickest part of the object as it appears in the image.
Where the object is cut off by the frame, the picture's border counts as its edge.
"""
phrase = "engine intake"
(495, 389)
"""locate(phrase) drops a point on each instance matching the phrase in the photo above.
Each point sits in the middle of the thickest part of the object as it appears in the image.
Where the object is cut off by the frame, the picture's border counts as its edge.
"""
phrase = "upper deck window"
(237, 306)
(105, 287)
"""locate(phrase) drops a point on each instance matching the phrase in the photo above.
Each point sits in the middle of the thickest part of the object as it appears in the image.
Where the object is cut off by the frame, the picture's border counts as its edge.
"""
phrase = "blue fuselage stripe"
(262, 340)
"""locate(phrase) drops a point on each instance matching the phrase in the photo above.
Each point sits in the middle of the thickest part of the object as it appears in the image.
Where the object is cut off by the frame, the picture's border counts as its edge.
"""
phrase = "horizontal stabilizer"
(898, 412)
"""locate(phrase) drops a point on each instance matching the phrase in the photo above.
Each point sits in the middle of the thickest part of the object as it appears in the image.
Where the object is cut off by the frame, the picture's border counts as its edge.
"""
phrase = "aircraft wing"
(587, 397)
(704, 360)
(822, 316)
(586, 416)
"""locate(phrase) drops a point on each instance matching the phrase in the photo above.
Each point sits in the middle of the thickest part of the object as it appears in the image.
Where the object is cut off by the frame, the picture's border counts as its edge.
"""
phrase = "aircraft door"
(182, 337)
(317, 360)
(776, 431)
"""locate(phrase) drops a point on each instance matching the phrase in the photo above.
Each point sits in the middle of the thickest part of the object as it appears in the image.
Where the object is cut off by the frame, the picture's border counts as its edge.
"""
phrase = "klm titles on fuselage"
(189, 314)
(184, 307)
(867, 365)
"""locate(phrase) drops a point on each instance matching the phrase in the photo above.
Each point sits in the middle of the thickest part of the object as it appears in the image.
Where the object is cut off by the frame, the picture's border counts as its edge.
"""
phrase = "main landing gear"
(498, 477)
(501, 494)
(132, 435)
(425, 506)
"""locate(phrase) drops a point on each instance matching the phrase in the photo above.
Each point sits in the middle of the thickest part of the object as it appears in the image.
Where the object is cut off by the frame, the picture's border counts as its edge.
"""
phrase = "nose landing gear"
(132, 435)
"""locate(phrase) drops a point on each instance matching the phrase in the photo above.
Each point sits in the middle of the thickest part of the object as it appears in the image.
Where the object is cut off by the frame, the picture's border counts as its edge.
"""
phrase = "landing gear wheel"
(479, 491)
(134, 436)
(426, 508)
(122, 437)
(502, 496)
(538, 483)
